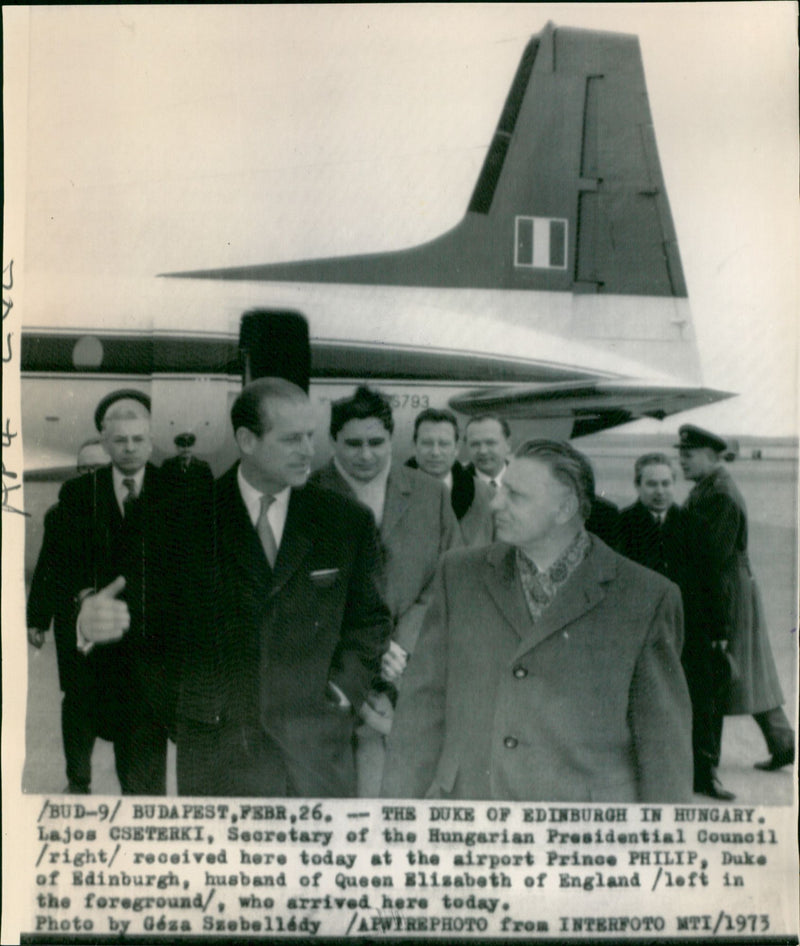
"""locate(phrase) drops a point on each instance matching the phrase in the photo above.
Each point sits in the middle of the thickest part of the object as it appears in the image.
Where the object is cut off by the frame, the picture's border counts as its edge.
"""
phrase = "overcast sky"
(169, 138)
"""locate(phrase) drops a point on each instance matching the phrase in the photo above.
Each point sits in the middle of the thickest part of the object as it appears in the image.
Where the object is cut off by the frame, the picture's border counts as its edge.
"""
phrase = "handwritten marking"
(8, 435)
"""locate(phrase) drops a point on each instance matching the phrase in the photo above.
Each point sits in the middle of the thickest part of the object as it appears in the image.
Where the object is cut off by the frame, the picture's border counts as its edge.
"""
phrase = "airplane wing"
(592, 406)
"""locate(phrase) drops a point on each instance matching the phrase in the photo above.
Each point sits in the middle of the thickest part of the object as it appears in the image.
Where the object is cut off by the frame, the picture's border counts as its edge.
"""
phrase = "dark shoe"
(73, 788)
(777, 760)
(713, 788)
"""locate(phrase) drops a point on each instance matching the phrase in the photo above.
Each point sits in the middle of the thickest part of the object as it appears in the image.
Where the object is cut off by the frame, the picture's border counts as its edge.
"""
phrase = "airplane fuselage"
(178, 340)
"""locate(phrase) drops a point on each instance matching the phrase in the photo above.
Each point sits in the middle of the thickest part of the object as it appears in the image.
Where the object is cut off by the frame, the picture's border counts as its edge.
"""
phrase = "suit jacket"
(662, 548)
(589, 703)
(88, 544)
(276, 638)
(470, 498)
(418, 526)
(604, 521)
(723, 601)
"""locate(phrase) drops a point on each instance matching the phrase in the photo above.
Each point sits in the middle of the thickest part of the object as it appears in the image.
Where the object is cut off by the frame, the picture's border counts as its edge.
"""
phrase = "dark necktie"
(493, 486)
(265, 532)
(130, 497)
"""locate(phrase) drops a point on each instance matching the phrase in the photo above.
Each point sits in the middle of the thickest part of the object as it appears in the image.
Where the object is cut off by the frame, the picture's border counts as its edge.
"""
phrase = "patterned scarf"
(541, 587)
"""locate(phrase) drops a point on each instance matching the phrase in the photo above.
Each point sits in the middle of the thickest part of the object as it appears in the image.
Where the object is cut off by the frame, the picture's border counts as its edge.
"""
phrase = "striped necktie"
(265, 532)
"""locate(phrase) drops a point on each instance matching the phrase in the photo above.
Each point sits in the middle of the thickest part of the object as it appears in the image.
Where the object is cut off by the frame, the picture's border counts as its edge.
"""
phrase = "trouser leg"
(78, 733)
(370, 759)
(140, 750)
(706, 740)
(707, 717)
(777, 730)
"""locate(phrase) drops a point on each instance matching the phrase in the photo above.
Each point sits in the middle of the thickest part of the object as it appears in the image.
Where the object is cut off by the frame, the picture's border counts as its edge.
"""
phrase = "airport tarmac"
(770, 491)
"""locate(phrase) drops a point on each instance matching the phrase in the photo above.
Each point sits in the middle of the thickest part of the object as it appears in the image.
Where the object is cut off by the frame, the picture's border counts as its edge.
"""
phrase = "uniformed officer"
(727, 655)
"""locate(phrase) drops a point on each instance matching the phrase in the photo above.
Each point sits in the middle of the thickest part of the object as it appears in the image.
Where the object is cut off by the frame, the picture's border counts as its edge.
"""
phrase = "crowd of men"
(399, 629)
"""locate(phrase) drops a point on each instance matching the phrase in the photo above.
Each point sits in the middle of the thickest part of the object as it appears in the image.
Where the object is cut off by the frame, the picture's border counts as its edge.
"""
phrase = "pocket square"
(324, 577)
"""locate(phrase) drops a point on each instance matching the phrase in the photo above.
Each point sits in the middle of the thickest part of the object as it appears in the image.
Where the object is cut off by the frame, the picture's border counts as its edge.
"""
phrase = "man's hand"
(393, 662)
(36, 637)
(102, 618)
(377, 711)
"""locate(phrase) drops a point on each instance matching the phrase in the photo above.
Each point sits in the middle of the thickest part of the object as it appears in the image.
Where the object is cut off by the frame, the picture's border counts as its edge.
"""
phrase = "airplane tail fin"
(569, 217)
(570, 196)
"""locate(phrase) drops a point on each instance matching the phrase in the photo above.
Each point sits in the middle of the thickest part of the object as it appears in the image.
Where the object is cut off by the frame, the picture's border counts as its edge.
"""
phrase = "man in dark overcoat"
(652, 531)
(105, 562)
(290, 623)
(728, 658)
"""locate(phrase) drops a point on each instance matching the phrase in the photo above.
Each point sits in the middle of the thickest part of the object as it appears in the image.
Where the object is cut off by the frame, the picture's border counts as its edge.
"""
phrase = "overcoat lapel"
(106, 522)
(503, 585)
(296, 542)
(398, 490)
(671, 520)
(104, 502)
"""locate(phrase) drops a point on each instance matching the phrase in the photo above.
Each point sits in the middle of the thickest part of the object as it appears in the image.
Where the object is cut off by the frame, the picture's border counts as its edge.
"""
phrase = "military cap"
(691, 437)
(123, 394)
(185, 440)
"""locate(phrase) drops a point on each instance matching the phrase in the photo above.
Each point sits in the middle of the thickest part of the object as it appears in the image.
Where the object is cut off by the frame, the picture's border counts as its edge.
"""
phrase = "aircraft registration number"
(414, 402)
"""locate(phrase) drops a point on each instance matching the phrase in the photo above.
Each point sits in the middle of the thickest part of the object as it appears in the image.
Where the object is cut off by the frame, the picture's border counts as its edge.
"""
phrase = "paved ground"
(769, 488)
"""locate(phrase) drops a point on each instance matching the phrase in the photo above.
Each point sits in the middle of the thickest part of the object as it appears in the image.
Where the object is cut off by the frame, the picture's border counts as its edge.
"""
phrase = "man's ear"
(567, 508)
(245, 438)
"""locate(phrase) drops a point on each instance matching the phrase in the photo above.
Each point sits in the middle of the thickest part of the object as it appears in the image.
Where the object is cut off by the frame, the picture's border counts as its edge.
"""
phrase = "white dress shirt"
(497, 479)
(276, 514)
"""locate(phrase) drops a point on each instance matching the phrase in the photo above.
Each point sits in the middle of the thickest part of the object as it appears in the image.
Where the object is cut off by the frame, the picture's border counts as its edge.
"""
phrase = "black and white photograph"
(400, 429)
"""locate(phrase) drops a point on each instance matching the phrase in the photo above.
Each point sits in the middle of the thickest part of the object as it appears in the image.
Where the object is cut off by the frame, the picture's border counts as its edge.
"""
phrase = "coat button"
(520, 672)
(510, 742)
